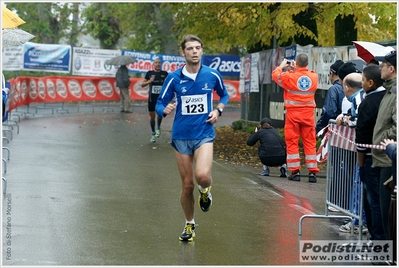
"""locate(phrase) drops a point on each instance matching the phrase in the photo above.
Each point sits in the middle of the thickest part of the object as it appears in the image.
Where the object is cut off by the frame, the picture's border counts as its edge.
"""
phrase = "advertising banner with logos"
(267, 62)
(91, 62)
(254, 72)
(26, 89)
(247, 73)
(251, 73)
(144, 61)
(46, 58)
(323, 58)
(293, 51)
(320, 60)
(12, 58)
(226, 65)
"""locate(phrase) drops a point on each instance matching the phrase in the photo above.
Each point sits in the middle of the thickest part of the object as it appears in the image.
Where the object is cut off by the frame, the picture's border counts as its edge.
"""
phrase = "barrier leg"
(108, 108)
(322, 217)
(4, 185)
(4, 165)
(45, 107)
(8, 153)
(62, 109)
(86, 105)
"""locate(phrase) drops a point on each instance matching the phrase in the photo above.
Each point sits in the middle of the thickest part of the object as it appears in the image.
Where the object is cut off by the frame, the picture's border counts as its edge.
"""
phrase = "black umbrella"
(359, 63)
(121, 60)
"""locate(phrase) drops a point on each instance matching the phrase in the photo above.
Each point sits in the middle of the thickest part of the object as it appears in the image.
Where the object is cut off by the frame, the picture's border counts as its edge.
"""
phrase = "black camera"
(289, 62)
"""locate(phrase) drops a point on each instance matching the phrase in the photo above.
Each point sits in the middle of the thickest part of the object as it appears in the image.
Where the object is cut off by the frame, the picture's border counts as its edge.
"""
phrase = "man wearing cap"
(300, 85)
(385, 128)
(345, 69)
(333, 101)
(272, 149)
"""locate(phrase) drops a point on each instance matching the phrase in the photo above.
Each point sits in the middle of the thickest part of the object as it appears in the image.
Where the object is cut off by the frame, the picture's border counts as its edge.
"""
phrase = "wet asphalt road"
(89, 188)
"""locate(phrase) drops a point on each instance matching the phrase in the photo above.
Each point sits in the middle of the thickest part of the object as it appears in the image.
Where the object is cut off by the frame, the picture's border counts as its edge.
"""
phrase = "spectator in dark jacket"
(370, 176)
(333, 101)
(272, 149)
(123, 83)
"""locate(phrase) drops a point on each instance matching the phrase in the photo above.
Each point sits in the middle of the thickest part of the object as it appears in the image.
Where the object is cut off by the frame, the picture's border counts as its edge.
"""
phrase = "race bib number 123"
(194, 104)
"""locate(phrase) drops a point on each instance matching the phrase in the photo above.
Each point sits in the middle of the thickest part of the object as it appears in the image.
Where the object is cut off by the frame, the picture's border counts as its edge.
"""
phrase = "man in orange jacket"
(300, 86)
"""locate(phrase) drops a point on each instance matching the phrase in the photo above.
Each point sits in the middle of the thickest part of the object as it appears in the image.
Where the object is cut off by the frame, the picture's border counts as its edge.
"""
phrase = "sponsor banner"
(144, 61)
(226, 65)
(290, 52)
(251, 73)
(322, 59)
(26, 89)
(293, 51)
(46, 58)
(305, 50)
(247, 73)
(265, 64)
(12, 59)
(345, 251)
(91, 62)
(268, 61)
(254, 72)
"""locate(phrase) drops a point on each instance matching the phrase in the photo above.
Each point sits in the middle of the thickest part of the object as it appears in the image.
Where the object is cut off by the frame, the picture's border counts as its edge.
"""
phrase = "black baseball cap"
(347, 68)
(266, 120)
(335, 66)
(390, 57)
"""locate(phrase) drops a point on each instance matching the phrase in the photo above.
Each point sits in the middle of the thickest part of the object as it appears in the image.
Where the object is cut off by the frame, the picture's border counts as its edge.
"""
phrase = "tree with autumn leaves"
(226, 25)
(223, 26)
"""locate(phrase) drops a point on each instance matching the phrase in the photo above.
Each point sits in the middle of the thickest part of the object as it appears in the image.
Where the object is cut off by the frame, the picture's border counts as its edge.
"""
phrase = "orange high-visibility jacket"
(299, 86)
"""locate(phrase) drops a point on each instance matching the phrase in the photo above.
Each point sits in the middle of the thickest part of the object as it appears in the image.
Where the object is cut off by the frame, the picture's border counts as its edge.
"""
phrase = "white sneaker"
(346, 228)
(283, 171)
(332, 209)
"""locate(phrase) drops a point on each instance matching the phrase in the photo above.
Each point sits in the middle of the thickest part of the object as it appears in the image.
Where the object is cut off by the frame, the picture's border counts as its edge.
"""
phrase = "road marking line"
(301, 209)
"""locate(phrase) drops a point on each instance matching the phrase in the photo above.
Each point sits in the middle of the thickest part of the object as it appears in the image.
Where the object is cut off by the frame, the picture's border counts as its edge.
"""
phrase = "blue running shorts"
(189, 146)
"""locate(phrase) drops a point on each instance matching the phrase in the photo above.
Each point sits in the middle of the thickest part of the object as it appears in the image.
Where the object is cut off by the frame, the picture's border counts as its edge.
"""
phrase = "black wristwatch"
(220, 110)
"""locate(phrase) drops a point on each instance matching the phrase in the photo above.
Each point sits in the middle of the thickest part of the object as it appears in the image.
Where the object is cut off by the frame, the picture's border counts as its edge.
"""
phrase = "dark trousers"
(385, 197)
(273, 161)
(371, 179)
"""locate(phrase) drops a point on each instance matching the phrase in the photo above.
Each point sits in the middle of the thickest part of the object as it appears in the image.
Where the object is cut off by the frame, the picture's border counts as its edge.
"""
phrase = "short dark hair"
(190, 38)
(373, 72)
(302, 60)
(353, 83)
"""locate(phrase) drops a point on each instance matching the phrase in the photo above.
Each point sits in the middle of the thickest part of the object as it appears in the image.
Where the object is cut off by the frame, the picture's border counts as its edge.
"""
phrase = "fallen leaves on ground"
(231, 146)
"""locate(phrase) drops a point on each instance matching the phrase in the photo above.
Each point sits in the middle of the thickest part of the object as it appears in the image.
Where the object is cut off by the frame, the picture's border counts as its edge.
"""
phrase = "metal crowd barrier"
(344, 190)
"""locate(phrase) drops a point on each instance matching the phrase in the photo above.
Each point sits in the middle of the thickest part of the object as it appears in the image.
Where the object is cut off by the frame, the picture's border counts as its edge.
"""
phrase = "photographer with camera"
(271, 150)
(300, 85)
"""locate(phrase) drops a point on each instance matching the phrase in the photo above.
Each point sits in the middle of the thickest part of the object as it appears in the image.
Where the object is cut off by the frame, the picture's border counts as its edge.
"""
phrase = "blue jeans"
(371, 178)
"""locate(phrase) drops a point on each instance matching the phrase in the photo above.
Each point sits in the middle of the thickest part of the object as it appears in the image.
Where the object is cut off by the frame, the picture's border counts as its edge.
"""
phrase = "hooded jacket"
(271, 144)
